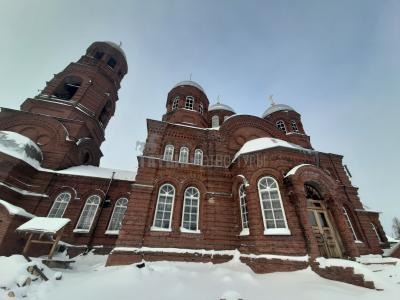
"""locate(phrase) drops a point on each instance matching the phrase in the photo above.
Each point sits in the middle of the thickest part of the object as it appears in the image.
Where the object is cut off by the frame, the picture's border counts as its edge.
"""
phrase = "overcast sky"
(336, 62)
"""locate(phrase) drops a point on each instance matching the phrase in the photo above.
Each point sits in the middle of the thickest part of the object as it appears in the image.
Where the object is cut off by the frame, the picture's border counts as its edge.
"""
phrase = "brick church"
(211, 183)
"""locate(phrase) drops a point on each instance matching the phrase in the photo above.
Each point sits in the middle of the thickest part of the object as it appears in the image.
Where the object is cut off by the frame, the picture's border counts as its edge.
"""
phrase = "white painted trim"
(273, 231)
(198, 211)
(155, 228)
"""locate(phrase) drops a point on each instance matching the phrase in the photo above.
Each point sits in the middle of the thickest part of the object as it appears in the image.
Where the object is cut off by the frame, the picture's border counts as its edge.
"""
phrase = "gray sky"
(336, 62)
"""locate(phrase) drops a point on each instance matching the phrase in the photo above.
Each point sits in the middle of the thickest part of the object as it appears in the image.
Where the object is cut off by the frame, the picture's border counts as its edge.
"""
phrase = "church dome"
(117, 47)
(189, 82)
(21, 147)
(220, 106)
(276, 107)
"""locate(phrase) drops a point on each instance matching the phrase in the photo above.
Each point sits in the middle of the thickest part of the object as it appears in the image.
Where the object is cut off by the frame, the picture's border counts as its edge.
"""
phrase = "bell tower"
(68, 118)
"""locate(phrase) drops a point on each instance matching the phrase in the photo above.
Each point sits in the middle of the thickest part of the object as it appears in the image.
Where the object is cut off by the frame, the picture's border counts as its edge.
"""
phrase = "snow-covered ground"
(90, 279)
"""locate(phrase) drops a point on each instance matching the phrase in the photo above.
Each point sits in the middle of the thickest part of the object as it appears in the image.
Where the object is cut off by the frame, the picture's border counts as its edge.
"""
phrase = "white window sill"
(153, 228)
(244, 232)
(112, 232)
(277, 231)
(184, 230)
(358, 242)
(81, 231)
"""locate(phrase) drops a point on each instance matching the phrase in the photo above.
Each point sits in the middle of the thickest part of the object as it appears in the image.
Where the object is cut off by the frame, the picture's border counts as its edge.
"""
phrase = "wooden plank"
(28, 244)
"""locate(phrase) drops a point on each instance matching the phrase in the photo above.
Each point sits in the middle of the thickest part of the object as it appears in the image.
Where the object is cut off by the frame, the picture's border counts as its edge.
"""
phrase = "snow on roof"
(276, 107)
(21, 147)
(44, 225)
(191, 83)
(392, 239)
(92, 171)
(16, 210)
(295, 169)
(220, 106)
(266, 143)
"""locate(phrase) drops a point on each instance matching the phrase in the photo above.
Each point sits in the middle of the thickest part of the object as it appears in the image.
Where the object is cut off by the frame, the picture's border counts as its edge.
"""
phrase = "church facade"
(211, 184)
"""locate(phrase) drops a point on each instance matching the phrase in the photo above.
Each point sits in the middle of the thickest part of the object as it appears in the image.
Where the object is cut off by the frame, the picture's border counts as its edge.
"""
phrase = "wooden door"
(323, 229)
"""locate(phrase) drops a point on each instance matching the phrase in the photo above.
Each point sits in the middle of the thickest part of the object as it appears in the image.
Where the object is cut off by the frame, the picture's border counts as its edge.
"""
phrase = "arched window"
(189, 102)
(68, 87)
(271, 206)
(281, 126)
(201, 108)
(376, 233)
(117, 216)
(169, 152)
(111, 62)
(243, 210)
(164, 208)
(294, 126)
(214, 121)
(184, 155)
(190, 216)
(198, 157)
(175, 103)
(349, 224)
(88, 214)
(60, 205)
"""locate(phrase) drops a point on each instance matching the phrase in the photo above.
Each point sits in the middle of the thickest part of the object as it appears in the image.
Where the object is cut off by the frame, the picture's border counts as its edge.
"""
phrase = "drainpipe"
(104, 204)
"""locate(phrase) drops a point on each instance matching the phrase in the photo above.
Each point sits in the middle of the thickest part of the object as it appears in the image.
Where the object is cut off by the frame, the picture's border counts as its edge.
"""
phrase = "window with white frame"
(294, 126)
(169, 152)
(376, 233)
(214, 121)
(243, 210)
(201, 108)
(88, 214)
(349, 224)
(189, 102)
(271, 206)
(59, 205)
(184, 155)
(281, 126)
(117, 216)
(190, 217)
(164, 208)
(198, 157)
(175, 103)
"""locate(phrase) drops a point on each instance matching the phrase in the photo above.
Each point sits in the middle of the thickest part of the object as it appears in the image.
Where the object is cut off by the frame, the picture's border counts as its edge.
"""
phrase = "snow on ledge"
(93, 171)
(295, 169)
(16, 210)
(358, 269)
(267, 143)
(233, 253)
(44, 225)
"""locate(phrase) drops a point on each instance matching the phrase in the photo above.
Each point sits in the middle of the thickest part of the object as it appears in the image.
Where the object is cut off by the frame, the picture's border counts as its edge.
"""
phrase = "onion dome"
(276, 107)
(189, 82)
(220, 106)
(115, 46)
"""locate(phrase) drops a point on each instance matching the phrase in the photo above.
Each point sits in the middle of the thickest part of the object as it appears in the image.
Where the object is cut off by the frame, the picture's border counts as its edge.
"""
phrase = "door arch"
(321, 221)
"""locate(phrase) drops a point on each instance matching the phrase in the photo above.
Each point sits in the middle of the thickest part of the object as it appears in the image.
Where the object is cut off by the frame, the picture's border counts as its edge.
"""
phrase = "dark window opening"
(106, 113)
(98, 55)
(86, 158)
(68, 88)
(312, 193)
(112, 62)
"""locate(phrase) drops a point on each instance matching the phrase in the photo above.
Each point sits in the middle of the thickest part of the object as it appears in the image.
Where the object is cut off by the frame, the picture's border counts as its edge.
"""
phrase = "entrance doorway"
(322, 226)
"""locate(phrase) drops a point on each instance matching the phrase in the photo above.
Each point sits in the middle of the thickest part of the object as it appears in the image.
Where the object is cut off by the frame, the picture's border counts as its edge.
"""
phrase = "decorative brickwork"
(67, 121)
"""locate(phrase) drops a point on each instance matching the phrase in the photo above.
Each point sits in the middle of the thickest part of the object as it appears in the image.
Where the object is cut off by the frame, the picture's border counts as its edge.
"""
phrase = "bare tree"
(396, 227)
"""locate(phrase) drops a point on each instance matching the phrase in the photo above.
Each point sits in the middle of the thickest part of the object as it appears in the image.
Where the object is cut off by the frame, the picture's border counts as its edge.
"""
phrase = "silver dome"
(276, 107)
(189, 82)
(219, 106)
